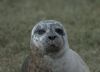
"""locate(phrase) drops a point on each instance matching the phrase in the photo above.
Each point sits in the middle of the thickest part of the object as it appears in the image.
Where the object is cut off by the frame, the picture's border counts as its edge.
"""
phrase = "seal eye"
(40, 31)
(59, 31)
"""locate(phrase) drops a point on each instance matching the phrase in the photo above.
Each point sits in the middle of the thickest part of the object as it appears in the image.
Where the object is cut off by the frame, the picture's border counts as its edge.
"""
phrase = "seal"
(50, 50)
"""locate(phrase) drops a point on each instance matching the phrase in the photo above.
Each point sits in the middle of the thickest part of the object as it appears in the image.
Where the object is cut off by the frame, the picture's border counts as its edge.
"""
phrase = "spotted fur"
(50, 51)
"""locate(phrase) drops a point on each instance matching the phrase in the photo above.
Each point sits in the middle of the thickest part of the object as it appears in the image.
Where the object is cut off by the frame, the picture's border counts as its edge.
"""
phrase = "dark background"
(81, 19)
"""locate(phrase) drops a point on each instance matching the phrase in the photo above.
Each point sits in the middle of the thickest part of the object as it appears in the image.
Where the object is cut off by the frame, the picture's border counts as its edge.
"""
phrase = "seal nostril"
(52, 37)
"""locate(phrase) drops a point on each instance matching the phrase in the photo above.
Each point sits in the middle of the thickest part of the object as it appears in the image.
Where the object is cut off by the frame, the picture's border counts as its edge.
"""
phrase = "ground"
(81, 19)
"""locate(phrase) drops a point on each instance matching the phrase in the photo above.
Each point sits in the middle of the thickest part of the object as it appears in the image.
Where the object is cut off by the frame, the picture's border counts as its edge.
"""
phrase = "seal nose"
(52, 37)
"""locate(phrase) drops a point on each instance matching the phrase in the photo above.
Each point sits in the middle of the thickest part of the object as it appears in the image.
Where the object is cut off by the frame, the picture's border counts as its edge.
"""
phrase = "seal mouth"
(52, 49)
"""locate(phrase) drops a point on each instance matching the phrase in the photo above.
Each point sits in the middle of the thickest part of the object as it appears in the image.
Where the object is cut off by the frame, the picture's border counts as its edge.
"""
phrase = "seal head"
(48, 37)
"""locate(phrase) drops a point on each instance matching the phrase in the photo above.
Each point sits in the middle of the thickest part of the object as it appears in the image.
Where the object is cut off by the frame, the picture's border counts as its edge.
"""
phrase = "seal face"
(48, 36)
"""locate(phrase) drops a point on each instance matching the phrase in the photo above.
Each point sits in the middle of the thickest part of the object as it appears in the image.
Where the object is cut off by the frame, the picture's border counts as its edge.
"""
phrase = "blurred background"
(81, 19)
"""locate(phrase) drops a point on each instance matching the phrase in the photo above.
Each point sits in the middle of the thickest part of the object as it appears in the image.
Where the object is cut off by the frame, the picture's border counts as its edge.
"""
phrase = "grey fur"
(52, 55)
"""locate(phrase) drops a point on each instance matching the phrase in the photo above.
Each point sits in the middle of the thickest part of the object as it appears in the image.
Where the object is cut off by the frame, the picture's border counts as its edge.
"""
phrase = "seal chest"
(50, 50)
